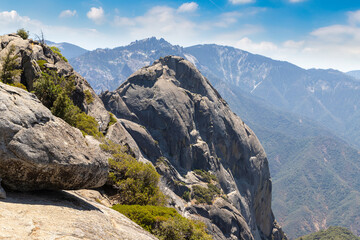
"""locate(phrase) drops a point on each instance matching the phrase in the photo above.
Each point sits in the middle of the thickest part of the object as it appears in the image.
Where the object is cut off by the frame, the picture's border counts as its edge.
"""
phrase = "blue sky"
(308, 33)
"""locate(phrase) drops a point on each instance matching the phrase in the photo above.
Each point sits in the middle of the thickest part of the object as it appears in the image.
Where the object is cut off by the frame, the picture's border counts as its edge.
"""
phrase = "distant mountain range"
(355, 74)
(68, 50)
(316, 94)
(286, 106)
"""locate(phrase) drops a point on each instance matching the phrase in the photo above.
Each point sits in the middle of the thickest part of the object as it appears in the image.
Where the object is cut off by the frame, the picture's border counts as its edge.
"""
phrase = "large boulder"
(41, 151)
(184, 120)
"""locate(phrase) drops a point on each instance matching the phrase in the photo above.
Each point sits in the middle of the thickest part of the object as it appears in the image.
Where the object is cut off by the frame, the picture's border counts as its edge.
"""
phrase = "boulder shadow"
(49, 197)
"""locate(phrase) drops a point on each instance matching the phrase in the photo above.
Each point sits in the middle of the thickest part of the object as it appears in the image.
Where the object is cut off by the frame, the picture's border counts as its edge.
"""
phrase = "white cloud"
(237, 2)
(96, 15)
(123, 21)
(293, 44)
(227, 19)
(164, 22)
(338, 34)
(354, 17)
(261, 47)
(188, 7)
(67, 13)
(12, 17)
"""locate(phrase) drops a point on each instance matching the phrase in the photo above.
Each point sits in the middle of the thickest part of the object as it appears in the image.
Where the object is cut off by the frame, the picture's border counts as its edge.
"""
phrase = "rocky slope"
(71, 215)
(31, 53)
(181, 123)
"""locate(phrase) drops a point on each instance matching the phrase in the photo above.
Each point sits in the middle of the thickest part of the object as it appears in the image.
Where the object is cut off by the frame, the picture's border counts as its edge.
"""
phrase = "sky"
(309, 33)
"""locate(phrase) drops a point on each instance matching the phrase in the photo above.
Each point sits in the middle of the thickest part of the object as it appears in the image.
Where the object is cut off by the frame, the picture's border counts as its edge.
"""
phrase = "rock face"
(41, 151)
(2, 191)
(49, 215)
(185, 121)
(30, 52)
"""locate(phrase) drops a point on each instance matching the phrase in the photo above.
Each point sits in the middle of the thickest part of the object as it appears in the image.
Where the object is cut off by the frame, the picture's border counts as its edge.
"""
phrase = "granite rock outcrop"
(186, 125)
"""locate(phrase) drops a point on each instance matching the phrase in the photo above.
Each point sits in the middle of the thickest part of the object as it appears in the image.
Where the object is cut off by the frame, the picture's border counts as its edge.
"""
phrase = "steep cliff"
(181, 124)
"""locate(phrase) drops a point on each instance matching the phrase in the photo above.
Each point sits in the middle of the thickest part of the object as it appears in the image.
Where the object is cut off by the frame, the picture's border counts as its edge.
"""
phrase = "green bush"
(54, 91)
(135, 182)
(23, 33)
(41, 64)
(9, 71)
(205, 175)
(58, 52)
(112, 119)
(87, 124)
(165, 223)
(148, 217)
(18, 85)
(88, 96)
(180, 228)
(186, 196)
(46, 89)
(205, 195)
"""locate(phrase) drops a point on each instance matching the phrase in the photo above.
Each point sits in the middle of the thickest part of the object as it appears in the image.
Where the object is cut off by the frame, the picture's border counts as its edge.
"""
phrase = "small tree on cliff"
(8, 71)
(23, 33)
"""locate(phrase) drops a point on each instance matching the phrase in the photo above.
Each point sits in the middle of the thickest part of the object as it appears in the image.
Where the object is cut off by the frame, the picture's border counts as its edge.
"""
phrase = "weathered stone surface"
(118, 134)
(223, 217)
(2, 191)
(194, 128)
(41, 151)
(72, 215)
(30, 52)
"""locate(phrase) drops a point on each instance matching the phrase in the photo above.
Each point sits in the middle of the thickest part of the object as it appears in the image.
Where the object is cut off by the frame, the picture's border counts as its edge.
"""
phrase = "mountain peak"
(151, 43)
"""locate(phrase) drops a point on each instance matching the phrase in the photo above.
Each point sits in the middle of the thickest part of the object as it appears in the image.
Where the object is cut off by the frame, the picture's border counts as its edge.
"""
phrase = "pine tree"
(8, 71)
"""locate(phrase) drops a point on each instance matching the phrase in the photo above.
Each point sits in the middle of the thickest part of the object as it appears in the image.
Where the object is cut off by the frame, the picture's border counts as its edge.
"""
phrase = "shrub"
(18, 85)
(46, 89)
(186, 196)
(41, 64)
(88, 96)
(9, 71)
(205, 175)
(58, 52)
(165, 223)
(135, 182)
(112, 119)
(148, 217)
(205, 195)
(87, 124)
(54, 91)
(180, 228)
(23, 33)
